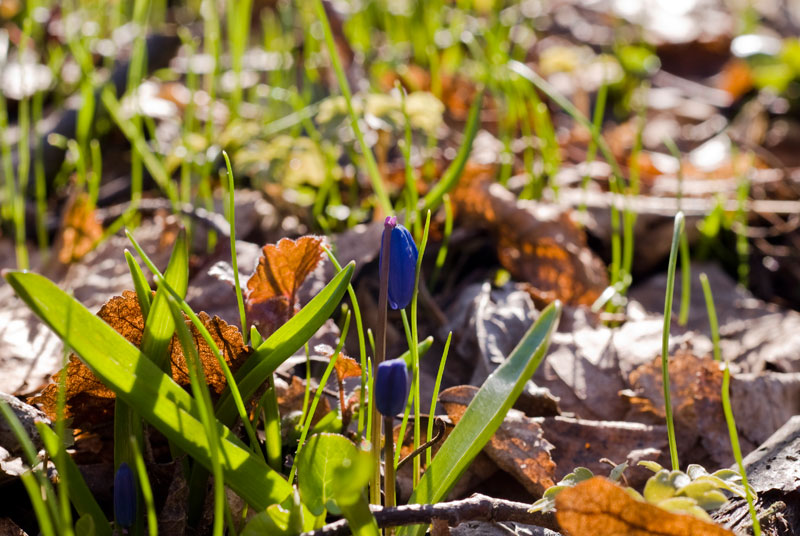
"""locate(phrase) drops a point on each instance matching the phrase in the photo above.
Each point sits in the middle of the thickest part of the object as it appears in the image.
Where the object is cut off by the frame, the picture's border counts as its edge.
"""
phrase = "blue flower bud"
(124, 496)
(391, 387)
(402, 263)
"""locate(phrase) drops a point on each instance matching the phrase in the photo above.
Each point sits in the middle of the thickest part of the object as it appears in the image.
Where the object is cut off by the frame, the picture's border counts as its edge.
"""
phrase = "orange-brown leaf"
(80, 229)
(597, 507)
(90, 403)
(272, 290)
(537, 243)
(347, 367)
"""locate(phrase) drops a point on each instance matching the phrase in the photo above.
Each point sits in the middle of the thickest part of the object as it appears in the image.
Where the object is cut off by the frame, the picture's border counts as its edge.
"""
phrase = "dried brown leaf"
(271, 297)
(80, 229)
(597, 507)
(539, 244)
(347, 367)
(695, 392)
(90, 402)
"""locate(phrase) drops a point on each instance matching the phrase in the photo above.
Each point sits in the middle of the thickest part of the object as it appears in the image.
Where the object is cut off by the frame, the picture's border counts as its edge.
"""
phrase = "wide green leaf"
(485, 414)
(155, 396)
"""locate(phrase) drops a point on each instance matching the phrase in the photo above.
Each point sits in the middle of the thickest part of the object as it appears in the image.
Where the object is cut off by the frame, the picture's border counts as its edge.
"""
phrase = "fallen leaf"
(90, 402)
(518, 447)
(599, 507)
(347, 367)
(695, 392)
(537, 243)
(271, 297)
(80, 229)
(291, 396)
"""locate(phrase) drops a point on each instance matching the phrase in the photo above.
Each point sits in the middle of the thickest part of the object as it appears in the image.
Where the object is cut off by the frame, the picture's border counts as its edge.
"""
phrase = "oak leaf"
(598, 507)
(271, 296)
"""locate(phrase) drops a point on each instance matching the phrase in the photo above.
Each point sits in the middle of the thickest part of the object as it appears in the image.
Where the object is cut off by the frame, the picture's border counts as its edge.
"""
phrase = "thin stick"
(477, 507)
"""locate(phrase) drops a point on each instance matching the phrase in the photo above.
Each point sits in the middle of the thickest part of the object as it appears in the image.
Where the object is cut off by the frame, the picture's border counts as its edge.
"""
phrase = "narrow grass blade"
(79, 493)
(452, 174)
(143, 293)
(234, 260)
(726, 402)
(673, 259)
(372, 167)
(485, 414)
(140, 383)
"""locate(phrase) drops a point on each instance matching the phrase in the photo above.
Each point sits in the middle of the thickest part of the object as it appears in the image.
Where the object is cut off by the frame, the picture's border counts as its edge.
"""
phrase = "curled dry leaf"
(80, 229)
(347, 367)
(89, 402)
(598, 507)
(271, 296)
(538, 244)
(518, 447)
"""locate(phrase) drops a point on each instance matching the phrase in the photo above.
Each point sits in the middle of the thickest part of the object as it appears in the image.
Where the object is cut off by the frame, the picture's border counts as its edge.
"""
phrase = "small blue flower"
(391, 387)
(402, 263)
(124, 496)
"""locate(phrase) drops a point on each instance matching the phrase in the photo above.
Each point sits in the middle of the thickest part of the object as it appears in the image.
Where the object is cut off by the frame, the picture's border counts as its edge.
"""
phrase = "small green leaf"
(653, 466)
(331, 467)
(659, 487)
(578, 475)
(736, 489)
(684, 505)
(616, 472)
(695, 471)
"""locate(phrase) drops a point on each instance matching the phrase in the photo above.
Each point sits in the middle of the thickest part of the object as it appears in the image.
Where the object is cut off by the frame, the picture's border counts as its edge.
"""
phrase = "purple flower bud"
(391, 387)
(124, 496)
(402, 263)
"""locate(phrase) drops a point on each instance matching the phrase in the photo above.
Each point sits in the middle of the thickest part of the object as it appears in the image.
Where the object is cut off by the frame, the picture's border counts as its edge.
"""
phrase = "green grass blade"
(234, 260)
(205, 408)
(140, 284)
(39, 508)
(140, 383)
(372, 166)
(673, 259)
(485, 414)
(435, 397)
(147, 491)
(79, 493)
(452, 174)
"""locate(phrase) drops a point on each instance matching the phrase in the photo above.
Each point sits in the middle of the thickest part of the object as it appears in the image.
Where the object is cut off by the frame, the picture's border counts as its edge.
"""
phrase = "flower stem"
(380, 355)
(388, 457)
